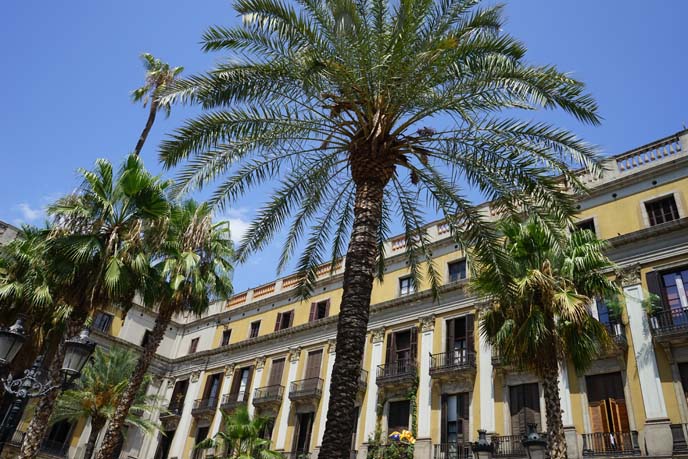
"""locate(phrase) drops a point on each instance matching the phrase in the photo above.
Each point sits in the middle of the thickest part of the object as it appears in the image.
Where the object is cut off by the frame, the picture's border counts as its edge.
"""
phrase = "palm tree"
(158, 75)
(96, 256)
(241, 437)
(542, 290)
(97, 392)
(356, 111)
(192, 268)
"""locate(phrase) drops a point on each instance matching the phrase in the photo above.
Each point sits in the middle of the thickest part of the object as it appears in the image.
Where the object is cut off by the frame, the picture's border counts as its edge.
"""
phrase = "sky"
(67, 70)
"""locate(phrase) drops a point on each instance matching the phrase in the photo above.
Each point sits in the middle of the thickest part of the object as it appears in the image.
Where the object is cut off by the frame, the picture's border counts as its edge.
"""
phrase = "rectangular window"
(524, 407)
(146, 338)
(241, 384)
(212, 386)
(201, 434)
(406, 286)
(457, 270)
(398, 417)
(588, 224)
(402, 350)
(319, 310)
(313, 364)
(276, 370)
(303, 431)
(459, 344)
(255, 328)
(284, 320)
(675, 291)
(455, 418)
(662, 210)
(102, 321)
(193, 347)
(606, 403)
(226, 335)
(178, 396)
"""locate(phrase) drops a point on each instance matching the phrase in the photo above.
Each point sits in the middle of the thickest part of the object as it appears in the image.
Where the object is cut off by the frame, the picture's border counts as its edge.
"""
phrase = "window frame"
(586, 221)
(465, 269)
(389, 412)
(193, 344)
(655, 199)
(411, 288)
(226, 337)
(110, 318)
(255, 323)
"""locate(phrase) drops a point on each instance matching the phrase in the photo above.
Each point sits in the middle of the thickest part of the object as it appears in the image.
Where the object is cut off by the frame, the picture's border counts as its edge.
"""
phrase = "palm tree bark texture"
(555, 425)
(110, 443)
(97, 424)
(355, 310)
(147, 128)
(40, 420)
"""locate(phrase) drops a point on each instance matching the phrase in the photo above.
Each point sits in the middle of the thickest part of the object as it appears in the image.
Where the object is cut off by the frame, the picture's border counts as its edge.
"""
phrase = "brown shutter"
(291, 318)
(470, 340)
(414, 344)
(313, 364)
(236, 381)
(311, 316)
(654, 285)
(450, 338)
(277, 322)
(444, 418)
(248, 383)
(391, 354)
(598, 418)
(515, 408)
(619, 415)
(532, 403)
(276, 370)
(464, 415)
(327, 308)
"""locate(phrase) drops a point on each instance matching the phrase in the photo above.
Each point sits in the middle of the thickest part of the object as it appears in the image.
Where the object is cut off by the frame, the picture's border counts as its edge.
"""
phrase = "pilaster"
(377, 338)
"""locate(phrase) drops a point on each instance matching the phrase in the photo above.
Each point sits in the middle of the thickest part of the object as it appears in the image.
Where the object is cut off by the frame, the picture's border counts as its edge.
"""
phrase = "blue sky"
(68, 68)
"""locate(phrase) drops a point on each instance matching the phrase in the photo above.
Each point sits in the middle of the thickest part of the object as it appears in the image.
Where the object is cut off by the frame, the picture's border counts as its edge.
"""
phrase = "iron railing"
(17, 437)
(678, 432)
(451, 361)
(363, 378)
(399, 369)
(297, 455)
(233, 399)
(174, 410)
(460, 450)
(306, 388)
(55, 448)
(508, 445)
(204, 404)
(268, 394)
(669, 321)
(611, 444)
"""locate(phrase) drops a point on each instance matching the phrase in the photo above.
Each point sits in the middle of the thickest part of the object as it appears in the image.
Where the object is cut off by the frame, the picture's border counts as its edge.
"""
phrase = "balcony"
(170, 418)
(452, 364)
(55, 448)
(231, 401)
(509, 445)
(401, 373)
(619, 345)
(297, 455)
(204, 407)
(306, 390)
(611, 444)
(670, 326)
(678, 432)
(268, 397)
(460, 450)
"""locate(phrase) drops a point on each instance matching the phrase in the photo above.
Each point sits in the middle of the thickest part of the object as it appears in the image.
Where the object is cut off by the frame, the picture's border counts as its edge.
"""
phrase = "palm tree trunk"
(147, 128)
(111, 441)
(97, 424)
(555, 425)
(41, 417)
(353, 318)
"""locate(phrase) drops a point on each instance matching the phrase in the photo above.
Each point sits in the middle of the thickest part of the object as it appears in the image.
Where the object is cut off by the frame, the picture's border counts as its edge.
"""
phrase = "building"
(266, 349)
(7, 232)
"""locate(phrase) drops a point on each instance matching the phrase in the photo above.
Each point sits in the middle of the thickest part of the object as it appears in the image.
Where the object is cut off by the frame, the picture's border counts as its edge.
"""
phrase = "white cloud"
(28, 213)
(238, 220)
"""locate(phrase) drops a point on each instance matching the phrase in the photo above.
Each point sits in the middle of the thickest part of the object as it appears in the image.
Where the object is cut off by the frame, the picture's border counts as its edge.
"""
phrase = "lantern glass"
(77, 352)
(11, 341)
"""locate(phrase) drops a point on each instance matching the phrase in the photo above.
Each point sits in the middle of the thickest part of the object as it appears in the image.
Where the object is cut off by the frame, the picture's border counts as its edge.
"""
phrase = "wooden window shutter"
(516, 408)
(314, 309)
(470, 340)
(414, 344)
(278, 321)
(464, 407)
(236, 381)
(276, 371)
(327, 308)
(313, 364)
(291, 318)
(654, 285)
(450, 336)
(598, 417)
(619, 415)
(391, 353)
(444, 418)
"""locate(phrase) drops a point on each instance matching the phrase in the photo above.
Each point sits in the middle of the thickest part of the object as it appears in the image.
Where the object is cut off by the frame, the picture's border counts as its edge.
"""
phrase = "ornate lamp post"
(78, 350)
(535, 445)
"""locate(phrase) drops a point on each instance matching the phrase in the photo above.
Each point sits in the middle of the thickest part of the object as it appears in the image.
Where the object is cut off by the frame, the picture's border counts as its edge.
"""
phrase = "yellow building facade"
(426, 368)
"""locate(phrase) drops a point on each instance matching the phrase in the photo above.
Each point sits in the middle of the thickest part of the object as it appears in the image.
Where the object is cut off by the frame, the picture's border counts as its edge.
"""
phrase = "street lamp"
(482, 449)
(534, 444)
(77, 352)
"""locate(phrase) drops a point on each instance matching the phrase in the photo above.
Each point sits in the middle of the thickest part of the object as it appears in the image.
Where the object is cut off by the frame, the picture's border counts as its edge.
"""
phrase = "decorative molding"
(331, 345)
(628, 275)
(427, 323)
(378, 335)
(170, 383)
(294, 354)
(260, 362)
(195, 375)
(229, 369)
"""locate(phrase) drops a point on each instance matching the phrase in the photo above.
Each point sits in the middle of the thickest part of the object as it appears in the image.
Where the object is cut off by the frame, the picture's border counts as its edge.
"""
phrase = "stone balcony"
(306, 390)
(450, 365)
(268, 397)
(399, 374)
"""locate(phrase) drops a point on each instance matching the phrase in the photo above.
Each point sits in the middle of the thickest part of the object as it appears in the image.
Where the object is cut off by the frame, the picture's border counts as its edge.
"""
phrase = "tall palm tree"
(542, 289)
(356, 111)
(192, 267)
(96, 394)
(241, 437)
(96, 256)
(158, 75)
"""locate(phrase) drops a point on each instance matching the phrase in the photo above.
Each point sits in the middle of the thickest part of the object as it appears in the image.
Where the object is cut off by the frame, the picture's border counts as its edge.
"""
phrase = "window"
(455, 418)
(672, 289)
(284, 320)
(398, 417)
(606, 403)
(212, 386)
(58, 436)
(255, 327)
(102, 321)
(201, 434)
(193, 346)
(459, 344)
(402, 347)
(303, 431)
(268, 427)
(524, 407)
(226, 334)
(276, 370)
(319, 310)
(313, 364)
(661, 210)
(457, 270)
(588, 224)
(406, 286)
(146, 338)
(241, 384)
(178, 395)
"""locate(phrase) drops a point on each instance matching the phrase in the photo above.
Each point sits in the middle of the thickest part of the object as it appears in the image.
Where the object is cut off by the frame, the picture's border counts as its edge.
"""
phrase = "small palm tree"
(192, 267)
(241, 437)
(366, 111)
(96, 256)
(158, 75)
(96, 394)
(542, 289)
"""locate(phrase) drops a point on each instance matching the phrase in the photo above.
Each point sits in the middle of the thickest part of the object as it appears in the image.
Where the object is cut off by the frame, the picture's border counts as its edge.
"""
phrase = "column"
(182, 432)
(324, 404)
(257, 381)
(423, 448)
(485, 373)
(378, 337)
(226, 384)
(658, 436)
(150, 441)
(566, 412)
(294, 355)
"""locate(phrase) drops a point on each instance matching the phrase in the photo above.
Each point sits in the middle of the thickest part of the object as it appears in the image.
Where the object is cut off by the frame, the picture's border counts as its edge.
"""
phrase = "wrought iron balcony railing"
(268, 395)
(204, 406)
(459, 450)
(306, 389)
(232, 400)
(397, 371)
(611, 444)
(450, 362)
(669, 322)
